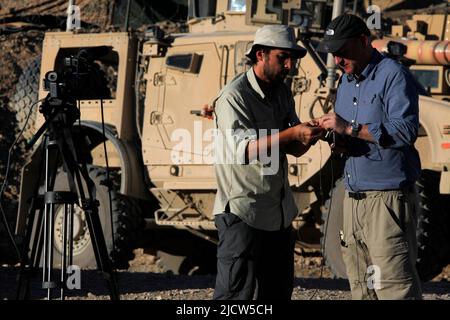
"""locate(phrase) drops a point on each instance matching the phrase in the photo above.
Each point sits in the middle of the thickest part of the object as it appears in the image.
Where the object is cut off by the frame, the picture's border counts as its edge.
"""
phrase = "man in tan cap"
(254, 208)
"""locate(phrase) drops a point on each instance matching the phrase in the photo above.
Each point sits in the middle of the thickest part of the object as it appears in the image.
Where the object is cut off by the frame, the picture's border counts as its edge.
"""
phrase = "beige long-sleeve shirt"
(259, 192)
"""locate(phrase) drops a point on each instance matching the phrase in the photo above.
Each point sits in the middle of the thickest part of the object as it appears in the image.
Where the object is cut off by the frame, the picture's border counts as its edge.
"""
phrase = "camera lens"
(52, 76)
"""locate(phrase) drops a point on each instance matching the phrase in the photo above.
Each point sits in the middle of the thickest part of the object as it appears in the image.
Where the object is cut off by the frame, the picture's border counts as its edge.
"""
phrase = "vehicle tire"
(127, 223)
(25, 95)
(433, 231)
(332, 216)
(433, 228)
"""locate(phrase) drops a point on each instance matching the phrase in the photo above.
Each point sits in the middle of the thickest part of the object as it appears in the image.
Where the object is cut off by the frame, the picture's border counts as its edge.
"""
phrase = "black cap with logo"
(341, 29)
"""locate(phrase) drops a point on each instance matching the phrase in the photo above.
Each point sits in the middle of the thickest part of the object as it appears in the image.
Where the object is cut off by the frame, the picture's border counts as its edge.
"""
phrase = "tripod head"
(60, 98)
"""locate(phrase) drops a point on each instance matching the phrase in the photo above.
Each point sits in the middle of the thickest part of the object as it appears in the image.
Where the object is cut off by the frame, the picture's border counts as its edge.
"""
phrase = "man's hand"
(295, 140)
(207, 112)
(332, 121)
(308, 133)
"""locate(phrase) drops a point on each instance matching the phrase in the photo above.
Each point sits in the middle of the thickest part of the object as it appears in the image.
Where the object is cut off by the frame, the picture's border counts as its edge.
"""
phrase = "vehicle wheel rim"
(81, 236)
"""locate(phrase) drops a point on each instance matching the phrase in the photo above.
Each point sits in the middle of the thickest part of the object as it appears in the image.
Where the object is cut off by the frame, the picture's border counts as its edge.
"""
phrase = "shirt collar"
(374, 60)
(254, 83)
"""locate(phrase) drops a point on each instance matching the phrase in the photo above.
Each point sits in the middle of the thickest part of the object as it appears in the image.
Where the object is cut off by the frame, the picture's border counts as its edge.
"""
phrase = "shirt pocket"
(371, 109)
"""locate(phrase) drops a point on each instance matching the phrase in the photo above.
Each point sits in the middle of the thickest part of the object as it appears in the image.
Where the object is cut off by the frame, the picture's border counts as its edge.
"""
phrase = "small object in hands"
(330, 137)
(206, 112)
(356, 127)
(197, 112)
(313, 122)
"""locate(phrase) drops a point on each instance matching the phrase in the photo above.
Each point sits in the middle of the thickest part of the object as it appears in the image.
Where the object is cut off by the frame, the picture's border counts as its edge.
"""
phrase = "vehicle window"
(427, 78)
(236, 5)
(188, 62)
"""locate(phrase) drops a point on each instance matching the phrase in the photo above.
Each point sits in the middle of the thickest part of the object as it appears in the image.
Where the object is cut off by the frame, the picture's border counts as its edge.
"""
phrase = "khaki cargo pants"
(379, 245)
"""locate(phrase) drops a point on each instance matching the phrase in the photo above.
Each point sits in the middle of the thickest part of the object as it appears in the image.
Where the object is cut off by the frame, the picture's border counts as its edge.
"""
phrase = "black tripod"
(59, 147)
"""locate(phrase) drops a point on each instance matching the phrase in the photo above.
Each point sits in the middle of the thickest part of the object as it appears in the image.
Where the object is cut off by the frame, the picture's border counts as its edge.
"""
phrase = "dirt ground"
(145, 281)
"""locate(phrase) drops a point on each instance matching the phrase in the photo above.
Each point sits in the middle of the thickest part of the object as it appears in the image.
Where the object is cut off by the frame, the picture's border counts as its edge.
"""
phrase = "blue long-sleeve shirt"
(385, 98)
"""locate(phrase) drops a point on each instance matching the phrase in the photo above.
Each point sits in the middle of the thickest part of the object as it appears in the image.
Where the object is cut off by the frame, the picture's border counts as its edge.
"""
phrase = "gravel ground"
(144, 281)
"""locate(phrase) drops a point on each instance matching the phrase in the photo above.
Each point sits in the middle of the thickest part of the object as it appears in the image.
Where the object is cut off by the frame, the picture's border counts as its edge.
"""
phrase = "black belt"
(357, 195)
(363, 195)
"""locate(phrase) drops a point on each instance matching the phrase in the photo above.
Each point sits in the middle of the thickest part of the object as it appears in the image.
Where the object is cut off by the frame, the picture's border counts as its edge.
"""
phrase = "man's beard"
(275, 78)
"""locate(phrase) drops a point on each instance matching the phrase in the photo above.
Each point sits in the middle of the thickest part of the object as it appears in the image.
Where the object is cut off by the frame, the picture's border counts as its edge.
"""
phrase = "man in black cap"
(376, 115)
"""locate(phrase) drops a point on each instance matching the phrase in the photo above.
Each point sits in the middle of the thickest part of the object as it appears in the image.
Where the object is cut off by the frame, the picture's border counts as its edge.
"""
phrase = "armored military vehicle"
(159, 148)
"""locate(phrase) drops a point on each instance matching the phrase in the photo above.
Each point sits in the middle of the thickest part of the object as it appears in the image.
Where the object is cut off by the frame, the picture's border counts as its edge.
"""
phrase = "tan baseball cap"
(277, 36)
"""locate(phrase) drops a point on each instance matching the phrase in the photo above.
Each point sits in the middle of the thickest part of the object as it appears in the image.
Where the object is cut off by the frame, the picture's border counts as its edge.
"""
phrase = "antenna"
(127, 15)
(73, 17)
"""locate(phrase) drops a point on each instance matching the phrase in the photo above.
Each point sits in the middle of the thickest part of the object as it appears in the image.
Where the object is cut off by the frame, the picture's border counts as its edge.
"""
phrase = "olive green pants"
(379, 245)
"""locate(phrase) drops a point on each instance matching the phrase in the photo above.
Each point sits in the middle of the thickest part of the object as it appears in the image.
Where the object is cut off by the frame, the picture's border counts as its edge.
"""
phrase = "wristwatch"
(356, 127)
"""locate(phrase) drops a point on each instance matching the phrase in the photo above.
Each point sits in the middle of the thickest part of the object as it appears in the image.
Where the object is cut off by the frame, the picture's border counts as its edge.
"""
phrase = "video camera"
(68, 82)
(75, 80)
(80, 78)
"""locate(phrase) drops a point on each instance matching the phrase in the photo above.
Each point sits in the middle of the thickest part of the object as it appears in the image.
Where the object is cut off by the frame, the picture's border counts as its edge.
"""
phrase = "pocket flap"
(389, 249)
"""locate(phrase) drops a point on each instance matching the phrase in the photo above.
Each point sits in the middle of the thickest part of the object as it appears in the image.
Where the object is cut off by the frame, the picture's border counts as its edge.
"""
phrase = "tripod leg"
(49, 217)
(64, 249)
(48, 251)
(101, 252)
(45, 249)
(70, 234)
(28, 265)
(36, 251)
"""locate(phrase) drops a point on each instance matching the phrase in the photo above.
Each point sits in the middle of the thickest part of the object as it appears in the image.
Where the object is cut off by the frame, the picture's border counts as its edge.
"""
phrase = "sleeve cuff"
(375, 130)
(241, 149)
